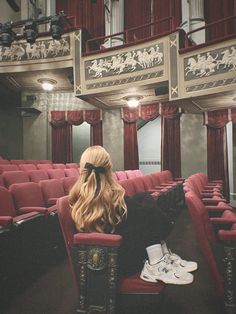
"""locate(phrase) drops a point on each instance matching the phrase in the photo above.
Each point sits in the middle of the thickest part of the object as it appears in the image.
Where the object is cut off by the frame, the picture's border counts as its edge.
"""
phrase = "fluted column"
(114, 22)
(193, 18)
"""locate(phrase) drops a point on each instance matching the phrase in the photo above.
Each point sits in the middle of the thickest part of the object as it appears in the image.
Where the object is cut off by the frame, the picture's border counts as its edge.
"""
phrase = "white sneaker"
(166, 272)
(187, 266)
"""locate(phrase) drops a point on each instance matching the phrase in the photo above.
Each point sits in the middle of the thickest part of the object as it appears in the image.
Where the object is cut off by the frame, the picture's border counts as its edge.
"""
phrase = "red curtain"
(216, 10)
(217, 159)
(96, 134)
(131, 160)
(62, 143)
(171, 155)
(75, 117)
(149, 112)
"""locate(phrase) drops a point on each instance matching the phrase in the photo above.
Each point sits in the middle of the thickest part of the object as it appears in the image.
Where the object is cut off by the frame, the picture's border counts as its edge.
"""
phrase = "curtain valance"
(75, 117)
(216, 119)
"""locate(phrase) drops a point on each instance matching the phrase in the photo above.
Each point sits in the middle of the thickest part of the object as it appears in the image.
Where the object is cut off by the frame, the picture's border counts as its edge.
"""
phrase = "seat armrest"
(213, 200)
(227, 235)
(6, 221)
(94, 238)
(217, 208)
(52, 201)
(41, 210)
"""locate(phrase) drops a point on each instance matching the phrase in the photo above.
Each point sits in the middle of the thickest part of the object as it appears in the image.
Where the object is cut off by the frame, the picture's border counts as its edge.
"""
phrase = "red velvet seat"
(44, 166)
(121, 175)
(45, 161)
(128, 186)
(72, 165)
(17, 161)
(67, 183)
(28, 196)
(71, 172)
(11, 177)
(93, 259)
(56, 173)
(208, 240)
(4, 162)
(130, 174)
(32, 161)
(59, 166)
(8, 167)
(8, 214)
(52, 189)
(114, 176)
(27, 167)
(37, 175)
(138, 173)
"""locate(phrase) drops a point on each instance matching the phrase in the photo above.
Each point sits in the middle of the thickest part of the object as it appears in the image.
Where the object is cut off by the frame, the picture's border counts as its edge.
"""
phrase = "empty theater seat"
(37, 175)
(128, 186)
(11, 177)
(93, 259)
(4, 162)
(56, 173)
(121, 175)
(68, 182)
(8, 167)
(17, 161)
(44, 166)
(52, 189)
(72, 165)
(28, 197)
(71, 172)
(27, 166)
(59, 166)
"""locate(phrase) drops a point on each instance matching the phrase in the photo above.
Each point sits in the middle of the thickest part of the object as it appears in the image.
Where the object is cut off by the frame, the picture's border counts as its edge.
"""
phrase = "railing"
(214, 31)
(132, 35)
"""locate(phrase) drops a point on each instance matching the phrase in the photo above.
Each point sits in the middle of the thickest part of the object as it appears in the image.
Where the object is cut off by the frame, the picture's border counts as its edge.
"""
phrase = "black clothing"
(145, 225)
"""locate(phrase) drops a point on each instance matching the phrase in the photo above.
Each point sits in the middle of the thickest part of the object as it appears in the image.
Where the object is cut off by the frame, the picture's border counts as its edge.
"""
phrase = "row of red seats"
(214, 222)
(23, 161)
(28, 166)
(8, 178)
(127, 174)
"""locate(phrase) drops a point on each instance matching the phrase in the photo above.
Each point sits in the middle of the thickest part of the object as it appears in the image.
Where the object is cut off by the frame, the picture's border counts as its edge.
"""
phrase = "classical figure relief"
(125, 62)
(214, 62)
(39, 50)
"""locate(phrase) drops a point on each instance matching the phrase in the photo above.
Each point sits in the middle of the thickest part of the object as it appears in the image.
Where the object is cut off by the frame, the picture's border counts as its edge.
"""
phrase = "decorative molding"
(213, 62)
(212, 84)
(127, 80)
(173, 72)
(127, 62)
(41, 49)
(150, 163)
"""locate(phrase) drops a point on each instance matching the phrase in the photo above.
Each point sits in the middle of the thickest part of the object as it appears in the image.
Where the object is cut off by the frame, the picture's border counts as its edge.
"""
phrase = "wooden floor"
(52, 292)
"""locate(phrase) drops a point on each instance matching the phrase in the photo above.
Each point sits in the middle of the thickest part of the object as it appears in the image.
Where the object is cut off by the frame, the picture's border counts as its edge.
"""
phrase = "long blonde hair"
(96, 199)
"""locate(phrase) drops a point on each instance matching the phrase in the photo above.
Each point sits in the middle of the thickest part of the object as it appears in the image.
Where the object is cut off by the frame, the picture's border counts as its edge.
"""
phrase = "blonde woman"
(98, 204)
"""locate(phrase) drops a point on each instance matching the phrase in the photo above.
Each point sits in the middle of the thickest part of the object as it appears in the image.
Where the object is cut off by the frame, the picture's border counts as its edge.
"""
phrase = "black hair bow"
(97, 170)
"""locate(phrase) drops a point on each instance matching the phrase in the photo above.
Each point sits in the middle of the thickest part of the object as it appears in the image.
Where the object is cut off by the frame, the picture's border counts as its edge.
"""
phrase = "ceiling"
(28, 82)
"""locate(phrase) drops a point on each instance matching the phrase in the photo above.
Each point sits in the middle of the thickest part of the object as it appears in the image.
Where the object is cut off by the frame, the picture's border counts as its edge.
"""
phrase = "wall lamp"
(132, 101)
(30, 28)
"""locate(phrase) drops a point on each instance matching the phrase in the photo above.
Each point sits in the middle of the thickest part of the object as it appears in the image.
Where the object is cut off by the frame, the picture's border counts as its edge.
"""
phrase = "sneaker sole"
(173, 281)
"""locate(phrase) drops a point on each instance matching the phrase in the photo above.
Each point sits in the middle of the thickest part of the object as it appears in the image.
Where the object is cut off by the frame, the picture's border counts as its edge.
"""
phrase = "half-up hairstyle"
(96, 199)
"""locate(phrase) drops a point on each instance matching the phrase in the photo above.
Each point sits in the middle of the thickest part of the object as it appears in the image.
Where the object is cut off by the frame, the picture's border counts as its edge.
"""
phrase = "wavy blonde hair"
(97, 207)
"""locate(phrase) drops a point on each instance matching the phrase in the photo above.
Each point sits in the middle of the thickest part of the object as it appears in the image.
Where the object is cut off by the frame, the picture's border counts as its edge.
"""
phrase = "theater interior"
(154, 83)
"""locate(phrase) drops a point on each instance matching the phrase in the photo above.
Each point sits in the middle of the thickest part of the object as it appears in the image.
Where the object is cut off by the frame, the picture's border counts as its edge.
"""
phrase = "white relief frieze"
(127, 62)
(41, 49)
(210, 63)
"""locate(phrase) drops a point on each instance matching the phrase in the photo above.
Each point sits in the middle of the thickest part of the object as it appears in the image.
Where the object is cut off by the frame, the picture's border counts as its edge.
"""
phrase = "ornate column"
(193, 18)
(114, 22)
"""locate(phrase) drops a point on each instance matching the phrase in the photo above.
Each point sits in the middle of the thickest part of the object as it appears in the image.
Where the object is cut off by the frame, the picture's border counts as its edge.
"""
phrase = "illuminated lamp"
(133, 101)
(47, 84)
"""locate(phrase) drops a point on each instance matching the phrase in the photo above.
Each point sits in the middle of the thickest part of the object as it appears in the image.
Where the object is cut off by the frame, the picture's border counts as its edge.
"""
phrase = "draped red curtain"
(62, 121)
(216, 10)
(62, 143)
(217, 159)
(170, 143)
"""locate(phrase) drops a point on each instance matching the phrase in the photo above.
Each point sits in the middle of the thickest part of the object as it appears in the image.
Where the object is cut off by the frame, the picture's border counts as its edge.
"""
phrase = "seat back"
(56, 173)
(138, 184)
(52, 189)
(8, 167)
(4, 162)
(205, 235)
(37, 175)
(138, 173)
(121, 175)
(67, 183)
(17, 161)
(128, 186)
(11, 177)
(44, 166)
(32, 161)
(130, 174)
(6, 203)
(27, 166)
(72, 165)
(147, 181)
(27, 194)
(71, 172)
(59, 166)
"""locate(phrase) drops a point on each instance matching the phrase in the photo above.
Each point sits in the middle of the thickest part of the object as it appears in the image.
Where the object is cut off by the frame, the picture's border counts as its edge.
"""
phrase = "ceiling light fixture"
(132, 101)
(47, 84)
